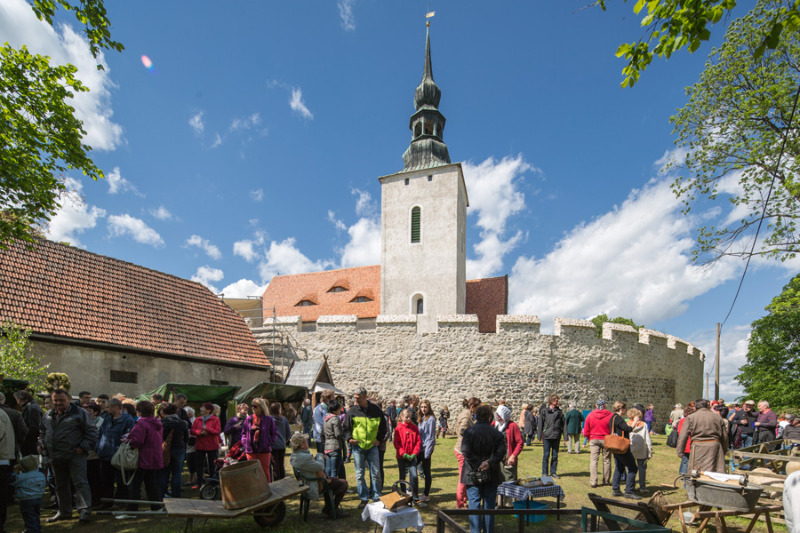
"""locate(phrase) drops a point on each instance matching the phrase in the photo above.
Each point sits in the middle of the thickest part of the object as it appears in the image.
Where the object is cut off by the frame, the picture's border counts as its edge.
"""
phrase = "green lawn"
(574, 471)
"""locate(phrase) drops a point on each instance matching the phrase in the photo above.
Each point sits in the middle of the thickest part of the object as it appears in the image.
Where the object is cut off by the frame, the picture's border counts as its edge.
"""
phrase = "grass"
(573, 469)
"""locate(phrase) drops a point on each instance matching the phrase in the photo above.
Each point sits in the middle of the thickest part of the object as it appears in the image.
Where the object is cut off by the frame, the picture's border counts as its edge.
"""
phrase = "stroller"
(210, 490)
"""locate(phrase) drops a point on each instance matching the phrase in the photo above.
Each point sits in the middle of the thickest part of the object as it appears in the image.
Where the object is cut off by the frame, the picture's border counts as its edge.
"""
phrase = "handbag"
(616, 444)
(124, 459)
(479, 477)
(166, 454)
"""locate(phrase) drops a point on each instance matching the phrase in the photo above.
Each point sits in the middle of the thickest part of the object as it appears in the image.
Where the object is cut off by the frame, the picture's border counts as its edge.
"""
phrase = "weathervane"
(429, 15)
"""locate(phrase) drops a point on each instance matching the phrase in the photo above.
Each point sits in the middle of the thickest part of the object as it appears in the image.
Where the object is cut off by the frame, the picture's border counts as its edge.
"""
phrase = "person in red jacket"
(206, 428)
(509, 428)
(407, 442)
(595, 428)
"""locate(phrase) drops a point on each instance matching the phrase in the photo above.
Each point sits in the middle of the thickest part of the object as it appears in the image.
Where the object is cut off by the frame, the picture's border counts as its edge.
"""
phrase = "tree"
(772, 371)
(741, 137)
(678, 24)
(599, 319)
(40, 136)
(17, 361)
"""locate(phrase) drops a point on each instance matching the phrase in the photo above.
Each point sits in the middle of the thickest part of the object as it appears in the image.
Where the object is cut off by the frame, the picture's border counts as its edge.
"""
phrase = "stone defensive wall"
(517, 362)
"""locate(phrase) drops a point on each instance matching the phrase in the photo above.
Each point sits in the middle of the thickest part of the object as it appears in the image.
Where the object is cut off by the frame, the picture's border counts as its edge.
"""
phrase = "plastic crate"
(530, 504)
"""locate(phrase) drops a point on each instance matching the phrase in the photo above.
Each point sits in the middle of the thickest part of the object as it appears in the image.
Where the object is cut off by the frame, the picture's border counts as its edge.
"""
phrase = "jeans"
(72, 473)
(747, 440)
(684, 468)
(550, 448)
(624, 463)
(597, 447)
(279, 463)
(482, 497)
(332, 459)
(411, 466)
(425, 463)
(528, 439)
(31, 509)
(641, 464)
(363, 459)
(172, 472)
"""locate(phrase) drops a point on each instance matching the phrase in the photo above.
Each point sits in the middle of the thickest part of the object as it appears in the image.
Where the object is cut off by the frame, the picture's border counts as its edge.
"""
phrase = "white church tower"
(423, 220)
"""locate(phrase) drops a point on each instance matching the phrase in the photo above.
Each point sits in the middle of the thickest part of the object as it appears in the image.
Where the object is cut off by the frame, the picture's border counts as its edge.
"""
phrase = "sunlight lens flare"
(147, 63)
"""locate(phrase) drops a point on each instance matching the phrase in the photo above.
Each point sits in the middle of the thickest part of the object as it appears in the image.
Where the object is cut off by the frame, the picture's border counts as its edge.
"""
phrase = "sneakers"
(632, 496)
(362, 504)
(424, 498)
(616, 493)
(58, 517)
(85, 515)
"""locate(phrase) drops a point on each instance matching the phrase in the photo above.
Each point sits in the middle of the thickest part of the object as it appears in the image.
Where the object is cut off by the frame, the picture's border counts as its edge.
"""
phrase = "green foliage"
(599, 319)
(733, 128)
(40, 137)
(676, 24)
(772, 371)
(16, 359)
(57, 380)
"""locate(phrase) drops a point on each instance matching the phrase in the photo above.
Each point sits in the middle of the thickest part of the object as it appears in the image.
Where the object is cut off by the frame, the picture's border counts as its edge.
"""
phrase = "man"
(676, 414)
(84, 398)
(792, 431)
(66, 435)
(573, 420)
(551, 426)
(597, 426)
(7, 456)
(483, 448)
(709, 439)
(20, 428)
(32, 416)
(364, 428)
(102, 401)
(766, 423)
(319, 419)
(180, 403)
(308, 466)
(118, 423)
(391, 411)
(306, 416)
(744, 420)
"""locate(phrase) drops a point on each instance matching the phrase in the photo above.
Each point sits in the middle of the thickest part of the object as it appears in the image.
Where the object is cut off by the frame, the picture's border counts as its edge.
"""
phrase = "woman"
(684, 467)
(463, 423)
(334, 439)
(444, 416)
(528, 424)
(650, 418)
(427, 432)
(205, 429)
(259, 434)
(623, 461)
(233, 428)
(191, 453)
(282, 436)
(641, 447)
(146, 436)
(176, 431)
(513, 438)
(407, 442)
(94, 472)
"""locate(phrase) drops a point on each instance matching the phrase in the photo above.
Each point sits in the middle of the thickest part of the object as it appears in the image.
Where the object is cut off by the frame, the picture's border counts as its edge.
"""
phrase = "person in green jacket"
(364, 428)
(574, 421)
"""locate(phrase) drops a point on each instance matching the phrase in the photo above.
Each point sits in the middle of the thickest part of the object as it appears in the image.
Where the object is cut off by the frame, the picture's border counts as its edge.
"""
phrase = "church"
(423, 244)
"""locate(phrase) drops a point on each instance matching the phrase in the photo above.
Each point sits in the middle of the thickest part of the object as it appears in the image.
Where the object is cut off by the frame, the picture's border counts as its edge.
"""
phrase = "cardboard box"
(394, 501)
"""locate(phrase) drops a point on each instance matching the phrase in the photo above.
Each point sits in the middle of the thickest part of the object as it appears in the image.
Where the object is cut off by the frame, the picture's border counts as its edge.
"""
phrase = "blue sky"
(252, 146)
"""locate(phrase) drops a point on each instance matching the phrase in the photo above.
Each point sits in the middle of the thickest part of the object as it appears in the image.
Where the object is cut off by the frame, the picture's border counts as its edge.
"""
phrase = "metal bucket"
(243, 484)
(723, 495)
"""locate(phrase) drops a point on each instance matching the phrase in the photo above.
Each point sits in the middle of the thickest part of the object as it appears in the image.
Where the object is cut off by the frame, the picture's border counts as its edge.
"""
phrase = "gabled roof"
(285, 292)
(308, 373)
(64, 292)
(487, 298)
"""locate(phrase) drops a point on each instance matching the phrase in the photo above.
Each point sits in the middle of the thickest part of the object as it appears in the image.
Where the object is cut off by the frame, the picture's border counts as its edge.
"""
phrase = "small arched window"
(420, 306)
(416, 224)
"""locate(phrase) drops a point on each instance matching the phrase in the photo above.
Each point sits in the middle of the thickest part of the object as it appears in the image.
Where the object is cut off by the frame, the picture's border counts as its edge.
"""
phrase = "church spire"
(427, 149)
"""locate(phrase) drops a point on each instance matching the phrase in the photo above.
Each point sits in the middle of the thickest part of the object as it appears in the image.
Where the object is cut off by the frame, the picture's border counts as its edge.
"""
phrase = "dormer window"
(337, 288)
(360, 300)
(305, 303)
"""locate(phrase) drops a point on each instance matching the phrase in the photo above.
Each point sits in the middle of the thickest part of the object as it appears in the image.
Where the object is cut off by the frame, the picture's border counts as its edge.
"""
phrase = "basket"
(530, 504)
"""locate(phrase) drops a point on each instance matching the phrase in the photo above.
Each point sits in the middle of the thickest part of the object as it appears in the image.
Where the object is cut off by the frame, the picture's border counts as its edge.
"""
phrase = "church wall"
(517, 363)
(90, 369)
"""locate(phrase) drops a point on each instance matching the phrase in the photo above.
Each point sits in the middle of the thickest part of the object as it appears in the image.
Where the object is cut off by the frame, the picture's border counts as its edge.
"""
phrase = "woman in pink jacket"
(206, 429)
(258, 435)
(146, 437)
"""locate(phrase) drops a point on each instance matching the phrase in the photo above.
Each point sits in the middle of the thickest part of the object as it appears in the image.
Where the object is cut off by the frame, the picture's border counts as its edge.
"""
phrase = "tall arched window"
(416, 224)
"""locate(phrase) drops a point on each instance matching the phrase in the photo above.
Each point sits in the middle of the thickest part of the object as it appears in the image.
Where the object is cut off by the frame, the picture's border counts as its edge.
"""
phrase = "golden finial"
(429, 15)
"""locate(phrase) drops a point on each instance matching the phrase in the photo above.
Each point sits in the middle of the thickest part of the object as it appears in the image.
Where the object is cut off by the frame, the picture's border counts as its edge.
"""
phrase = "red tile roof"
(285, 292)
(59, 290)
(487, 298)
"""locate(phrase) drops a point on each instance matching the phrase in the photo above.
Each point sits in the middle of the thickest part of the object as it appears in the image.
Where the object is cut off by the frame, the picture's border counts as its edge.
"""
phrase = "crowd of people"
(70, 446)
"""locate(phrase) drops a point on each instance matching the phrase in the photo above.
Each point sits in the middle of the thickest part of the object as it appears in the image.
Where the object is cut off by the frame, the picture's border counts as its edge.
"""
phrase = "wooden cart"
(266, 513)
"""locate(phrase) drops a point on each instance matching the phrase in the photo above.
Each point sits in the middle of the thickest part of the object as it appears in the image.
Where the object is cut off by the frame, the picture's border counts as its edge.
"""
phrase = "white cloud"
(733, 354)
(205, 245)
(632, 262)
(346, 14)
(365, 206)
(246, 249)
(118, 184)
(120, 225)
(338, 224)
(285, 258)
(257, 195)
(217, 140)
(161, 213)
(364, 247)
(494, 197)
(196, 122)
(73, 216)
(243, 289)
(297, 104)
(246, 123)
(18, 26)
(206, 275)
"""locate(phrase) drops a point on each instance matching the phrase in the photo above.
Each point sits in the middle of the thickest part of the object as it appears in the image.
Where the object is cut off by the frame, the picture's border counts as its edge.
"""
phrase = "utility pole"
(716, 369)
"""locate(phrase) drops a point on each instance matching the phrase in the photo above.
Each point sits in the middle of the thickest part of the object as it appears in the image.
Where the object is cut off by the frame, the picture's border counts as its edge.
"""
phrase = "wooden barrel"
(243, 484)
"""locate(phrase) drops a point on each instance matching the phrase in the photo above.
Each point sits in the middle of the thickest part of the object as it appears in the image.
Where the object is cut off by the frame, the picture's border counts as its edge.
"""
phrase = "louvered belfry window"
(416, 224)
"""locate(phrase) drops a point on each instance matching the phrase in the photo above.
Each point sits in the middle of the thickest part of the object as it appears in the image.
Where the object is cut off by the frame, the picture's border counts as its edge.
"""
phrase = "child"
(29, 484)
(641, 447)
(407, 442)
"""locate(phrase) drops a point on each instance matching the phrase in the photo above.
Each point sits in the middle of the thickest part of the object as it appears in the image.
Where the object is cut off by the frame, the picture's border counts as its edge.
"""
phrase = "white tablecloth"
(393, 520)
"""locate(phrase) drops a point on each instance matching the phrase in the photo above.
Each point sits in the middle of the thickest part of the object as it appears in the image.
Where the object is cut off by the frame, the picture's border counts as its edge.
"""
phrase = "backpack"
(672, 438)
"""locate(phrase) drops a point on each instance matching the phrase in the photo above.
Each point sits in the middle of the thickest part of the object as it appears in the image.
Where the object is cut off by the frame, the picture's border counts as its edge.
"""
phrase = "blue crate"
(530, 504)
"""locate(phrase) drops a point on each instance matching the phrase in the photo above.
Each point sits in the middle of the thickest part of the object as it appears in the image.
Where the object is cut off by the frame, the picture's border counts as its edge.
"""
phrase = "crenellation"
(620, 332)
(652, 337)
(517, 323)
(680, 346)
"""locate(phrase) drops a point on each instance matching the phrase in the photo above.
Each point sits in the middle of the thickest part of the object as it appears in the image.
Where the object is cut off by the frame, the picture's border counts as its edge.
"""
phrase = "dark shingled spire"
(427, 149)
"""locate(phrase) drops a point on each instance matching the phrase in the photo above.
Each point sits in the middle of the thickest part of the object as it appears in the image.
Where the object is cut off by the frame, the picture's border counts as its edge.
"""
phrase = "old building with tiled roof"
(127, 328)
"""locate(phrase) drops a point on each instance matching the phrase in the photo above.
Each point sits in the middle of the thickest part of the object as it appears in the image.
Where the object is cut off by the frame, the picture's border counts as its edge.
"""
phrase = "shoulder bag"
(125, 459)
(165, 447)
(616, 444)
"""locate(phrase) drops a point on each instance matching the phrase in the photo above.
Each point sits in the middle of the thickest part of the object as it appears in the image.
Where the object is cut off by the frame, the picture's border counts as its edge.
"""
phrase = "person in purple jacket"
(233, 428)
(649, 418)
(258, 435)
(146, 436)
(765, 424)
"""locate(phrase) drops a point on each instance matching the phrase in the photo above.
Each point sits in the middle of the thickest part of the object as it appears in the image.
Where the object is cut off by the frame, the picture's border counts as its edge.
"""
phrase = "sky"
(244, 140)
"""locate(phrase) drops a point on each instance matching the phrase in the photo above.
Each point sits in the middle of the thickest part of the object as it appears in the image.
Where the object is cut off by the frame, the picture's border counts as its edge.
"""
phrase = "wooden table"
(273, 509)
(706, 513)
